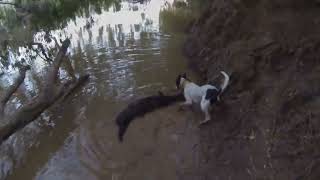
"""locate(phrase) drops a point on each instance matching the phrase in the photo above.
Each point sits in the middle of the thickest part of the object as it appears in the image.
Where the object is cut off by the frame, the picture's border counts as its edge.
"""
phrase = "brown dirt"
(268, 124)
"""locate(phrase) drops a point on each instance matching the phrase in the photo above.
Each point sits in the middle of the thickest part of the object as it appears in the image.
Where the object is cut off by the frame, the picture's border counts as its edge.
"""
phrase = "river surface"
(128, 54)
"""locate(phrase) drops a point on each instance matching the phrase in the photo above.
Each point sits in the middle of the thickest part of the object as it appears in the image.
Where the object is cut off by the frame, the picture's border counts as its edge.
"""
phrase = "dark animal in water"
(142, 106)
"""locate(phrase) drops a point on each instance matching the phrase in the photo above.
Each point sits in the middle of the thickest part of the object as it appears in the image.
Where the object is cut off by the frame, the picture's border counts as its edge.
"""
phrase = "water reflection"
(127, 56)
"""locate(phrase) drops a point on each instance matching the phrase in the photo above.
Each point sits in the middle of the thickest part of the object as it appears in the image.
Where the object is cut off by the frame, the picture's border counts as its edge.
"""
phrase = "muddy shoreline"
(267, 126)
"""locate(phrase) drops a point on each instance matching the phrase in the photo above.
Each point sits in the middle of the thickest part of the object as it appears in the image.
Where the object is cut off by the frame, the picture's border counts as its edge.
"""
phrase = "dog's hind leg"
(205, 105)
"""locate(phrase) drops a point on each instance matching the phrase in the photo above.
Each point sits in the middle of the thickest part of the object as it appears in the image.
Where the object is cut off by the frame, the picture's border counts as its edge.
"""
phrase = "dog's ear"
(184, 75)
(178, 81)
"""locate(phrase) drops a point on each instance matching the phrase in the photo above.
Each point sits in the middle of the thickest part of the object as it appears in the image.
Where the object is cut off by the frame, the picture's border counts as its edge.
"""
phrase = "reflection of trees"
(56, 13)
(100, 35)
(111, 35)
(120, 36)
(117, 55)
(22, 50)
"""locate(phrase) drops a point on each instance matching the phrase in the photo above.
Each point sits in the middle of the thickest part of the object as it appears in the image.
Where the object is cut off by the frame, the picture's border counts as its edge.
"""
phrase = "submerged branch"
(26, 115)
(52, 76)
(12, 89)
(56, 42)
(43, 51)
(47, 97)
(49, 85)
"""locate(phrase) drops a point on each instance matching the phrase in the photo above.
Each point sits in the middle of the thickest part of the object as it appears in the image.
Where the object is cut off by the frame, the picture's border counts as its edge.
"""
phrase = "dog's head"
(179, 80)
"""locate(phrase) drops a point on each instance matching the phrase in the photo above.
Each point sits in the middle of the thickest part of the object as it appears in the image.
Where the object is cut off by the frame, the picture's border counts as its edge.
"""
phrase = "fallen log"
(30, 113)
(13, 88)
(50, 92)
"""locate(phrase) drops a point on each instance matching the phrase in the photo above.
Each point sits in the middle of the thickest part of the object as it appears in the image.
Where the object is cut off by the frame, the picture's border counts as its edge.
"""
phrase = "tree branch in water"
(43, 51)
(50, 93)
(27, 115)
(13, 88)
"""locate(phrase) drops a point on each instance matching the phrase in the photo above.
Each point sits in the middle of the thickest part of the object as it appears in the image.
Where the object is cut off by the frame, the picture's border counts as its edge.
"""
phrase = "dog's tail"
(225, 82)
(141, 107)
(121, 132)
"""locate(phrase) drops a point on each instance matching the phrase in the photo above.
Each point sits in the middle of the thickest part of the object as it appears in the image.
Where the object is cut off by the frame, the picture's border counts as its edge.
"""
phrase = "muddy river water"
(128, 55)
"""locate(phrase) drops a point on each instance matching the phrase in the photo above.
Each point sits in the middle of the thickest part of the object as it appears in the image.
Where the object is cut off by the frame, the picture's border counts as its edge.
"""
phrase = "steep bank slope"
(268, 126)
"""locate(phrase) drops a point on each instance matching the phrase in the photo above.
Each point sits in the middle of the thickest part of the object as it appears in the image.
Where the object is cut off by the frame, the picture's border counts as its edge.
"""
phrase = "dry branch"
(49, 94)
(67, 62)
(56, 42)
(13, 88)
(50, 83)
(57, 61)
(43, 51)
(27, 115)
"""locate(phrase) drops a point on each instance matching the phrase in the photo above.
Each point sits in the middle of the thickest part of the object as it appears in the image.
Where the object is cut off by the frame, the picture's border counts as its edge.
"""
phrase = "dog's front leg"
(187, 103)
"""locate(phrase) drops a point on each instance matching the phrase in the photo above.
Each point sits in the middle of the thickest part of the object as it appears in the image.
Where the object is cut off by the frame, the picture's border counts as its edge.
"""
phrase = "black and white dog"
(204, 95)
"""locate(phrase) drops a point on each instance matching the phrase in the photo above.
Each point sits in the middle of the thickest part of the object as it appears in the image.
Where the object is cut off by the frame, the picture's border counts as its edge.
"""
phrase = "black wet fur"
(212, 94)
(142, 106)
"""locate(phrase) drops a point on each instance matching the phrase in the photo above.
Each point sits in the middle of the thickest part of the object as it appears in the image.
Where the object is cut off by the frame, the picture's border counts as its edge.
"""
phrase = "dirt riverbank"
(267, 126)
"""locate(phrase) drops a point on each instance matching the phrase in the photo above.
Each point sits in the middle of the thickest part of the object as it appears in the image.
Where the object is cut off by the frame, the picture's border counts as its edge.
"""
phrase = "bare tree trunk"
(5, 98)
(50, 93)
(28, 114)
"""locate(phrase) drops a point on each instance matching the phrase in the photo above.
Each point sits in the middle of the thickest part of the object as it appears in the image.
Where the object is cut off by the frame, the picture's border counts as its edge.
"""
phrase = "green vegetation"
(48, 14)
(177, 17)
(22, 19)
(174, 19)
(56, 13)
